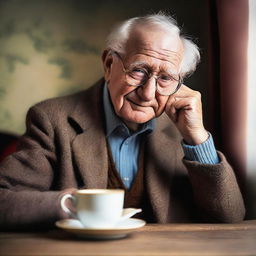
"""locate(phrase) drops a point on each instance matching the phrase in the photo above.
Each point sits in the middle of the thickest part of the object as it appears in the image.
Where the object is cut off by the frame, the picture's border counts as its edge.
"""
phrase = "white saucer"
(121, 230)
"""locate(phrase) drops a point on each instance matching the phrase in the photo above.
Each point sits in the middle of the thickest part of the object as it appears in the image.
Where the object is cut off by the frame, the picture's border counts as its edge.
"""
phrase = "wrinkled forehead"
(159, 43)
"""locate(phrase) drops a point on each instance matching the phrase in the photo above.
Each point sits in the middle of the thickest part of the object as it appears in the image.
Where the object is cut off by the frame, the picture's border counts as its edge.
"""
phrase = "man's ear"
(107, 60)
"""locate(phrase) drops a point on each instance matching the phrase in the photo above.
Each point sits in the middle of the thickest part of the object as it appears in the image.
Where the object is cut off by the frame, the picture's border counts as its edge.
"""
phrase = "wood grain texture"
(152, 240)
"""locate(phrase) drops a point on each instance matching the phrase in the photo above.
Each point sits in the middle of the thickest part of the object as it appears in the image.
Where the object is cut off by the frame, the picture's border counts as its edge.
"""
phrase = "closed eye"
(140, 70)
(138, 73)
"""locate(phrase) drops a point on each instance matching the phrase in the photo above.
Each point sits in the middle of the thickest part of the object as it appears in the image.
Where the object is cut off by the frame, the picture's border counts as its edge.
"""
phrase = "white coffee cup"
(96, 208)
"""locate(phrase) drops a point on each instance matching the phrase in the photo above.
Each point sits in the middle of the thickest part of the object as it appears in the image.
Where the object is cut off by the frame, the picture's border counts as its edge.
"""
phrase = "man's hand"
(185, 109)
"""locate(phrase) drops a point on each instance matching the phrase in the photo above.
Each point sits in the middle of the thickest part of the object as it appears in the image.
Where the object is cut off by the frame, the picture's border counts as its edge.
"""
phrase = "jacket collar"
(88, 112)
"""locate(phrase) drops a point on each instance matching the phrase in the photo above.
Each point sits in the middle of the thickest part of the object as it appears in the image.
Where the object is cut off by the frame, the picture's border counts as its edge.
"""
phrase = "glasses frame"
(126, 71)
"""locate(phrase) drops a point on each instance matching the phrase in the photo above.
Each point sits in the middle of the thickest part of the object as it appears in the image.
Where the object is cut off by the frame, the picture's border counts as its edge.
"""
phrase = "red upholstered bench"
(8, 144)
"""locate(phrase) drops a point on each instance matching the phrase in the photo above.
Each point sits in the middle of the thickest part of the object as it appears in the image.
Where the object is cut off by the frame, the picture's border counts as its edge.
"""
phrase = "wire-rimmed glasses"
(136, 76)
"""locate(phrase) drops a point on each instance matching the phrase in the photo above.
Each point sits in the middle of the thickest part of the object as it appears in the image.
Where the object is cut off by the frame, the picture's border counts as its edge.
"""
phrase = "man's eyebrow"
(139, 63)
(168, 71)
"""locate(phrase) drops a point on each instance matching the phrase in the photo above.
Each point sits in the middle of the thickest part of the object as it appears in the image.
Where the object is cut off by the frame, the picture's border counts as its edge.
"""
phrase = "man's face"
(155, 50)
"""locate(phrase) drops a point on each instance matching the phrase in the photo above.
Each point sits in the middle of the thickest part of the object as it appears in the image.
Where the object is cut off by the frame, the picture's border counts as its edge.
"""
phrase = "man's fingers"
(173, 114)
(184, 103)
(170, 109)
(185, 99)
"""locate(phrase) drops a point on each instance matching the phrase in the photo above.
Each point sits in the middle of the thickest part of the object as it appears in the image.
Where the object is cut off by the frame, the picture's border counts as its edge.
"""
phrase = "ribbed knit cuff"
(204, 153)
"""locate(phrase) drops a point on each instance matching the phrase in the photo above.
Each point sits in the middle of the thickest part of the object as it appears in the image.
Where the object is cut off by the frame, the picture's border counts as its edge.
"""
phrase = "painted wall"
(50, 48)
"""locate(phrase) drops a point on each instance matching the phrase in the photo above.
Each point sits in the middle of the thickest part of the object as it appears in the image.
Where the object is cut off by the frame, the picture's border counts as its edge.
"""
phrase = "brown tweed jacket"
(65, 147)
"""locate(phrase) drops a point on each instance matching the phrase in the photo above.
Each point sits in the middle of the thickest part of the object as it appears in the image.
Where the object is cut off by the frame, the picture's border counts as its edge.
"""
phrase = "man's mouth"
(136, 104)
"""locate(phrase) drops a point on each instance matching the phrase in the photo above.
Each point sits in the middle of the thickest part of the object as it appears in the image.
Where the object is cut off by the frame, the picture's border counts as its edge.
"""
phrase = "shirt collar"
(113, 121)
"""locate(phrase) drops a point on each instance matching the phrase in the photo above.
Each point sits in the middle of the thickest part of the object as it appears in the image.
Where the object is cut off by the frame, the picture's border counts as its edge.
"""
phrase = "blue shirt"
(125, 145)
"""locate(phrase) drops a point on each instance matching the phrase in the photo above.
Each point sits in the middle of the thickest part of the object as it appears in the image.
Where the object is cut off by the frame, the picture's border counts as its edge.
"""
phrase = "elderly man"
(139, 129)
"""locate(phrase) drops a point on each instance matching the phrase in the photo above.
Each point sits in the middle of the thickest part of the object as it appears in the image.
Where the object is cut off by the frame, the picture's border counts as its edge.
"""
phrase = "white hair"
(118, 37)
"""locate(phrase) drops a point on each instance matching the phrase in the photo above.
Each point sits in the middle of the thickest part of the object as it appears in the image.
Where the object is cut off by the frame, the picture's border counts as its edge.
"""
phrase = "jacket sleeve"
(26, 177)
(216, 191)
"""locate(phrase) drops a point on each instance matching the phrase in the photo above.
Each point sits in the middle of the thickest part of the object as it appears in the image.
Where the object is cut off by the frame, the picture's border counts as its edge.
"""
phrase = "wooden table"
(154, 239)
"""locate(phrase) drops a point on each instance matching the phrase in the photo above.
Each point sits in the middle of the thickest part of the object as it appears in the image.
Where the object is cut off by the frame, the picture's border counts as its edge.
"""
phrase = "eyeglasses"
(137, 76)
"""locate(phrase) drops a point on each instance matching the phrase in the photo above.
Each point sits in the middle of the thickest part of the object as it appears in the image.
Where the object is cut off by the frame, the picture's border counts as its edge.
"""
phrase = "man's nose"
(148, 90)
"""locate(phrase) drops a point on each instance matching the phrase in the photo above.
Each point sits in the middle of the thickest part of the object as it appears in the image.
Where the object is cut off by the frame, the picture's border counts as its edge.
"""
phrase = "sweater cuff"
(204, 153)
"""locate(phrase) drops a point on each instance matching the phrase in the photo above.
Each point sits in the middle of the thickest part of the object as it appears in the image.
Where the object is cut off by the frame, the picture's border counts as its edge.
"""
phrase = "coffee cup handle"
(65, 208)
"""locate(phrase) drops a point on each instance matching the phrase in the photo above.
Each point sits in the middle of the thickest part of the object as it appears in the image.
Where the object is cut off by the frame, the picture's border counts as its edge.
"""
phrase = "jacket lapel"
(90, 156)
(89, 147)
